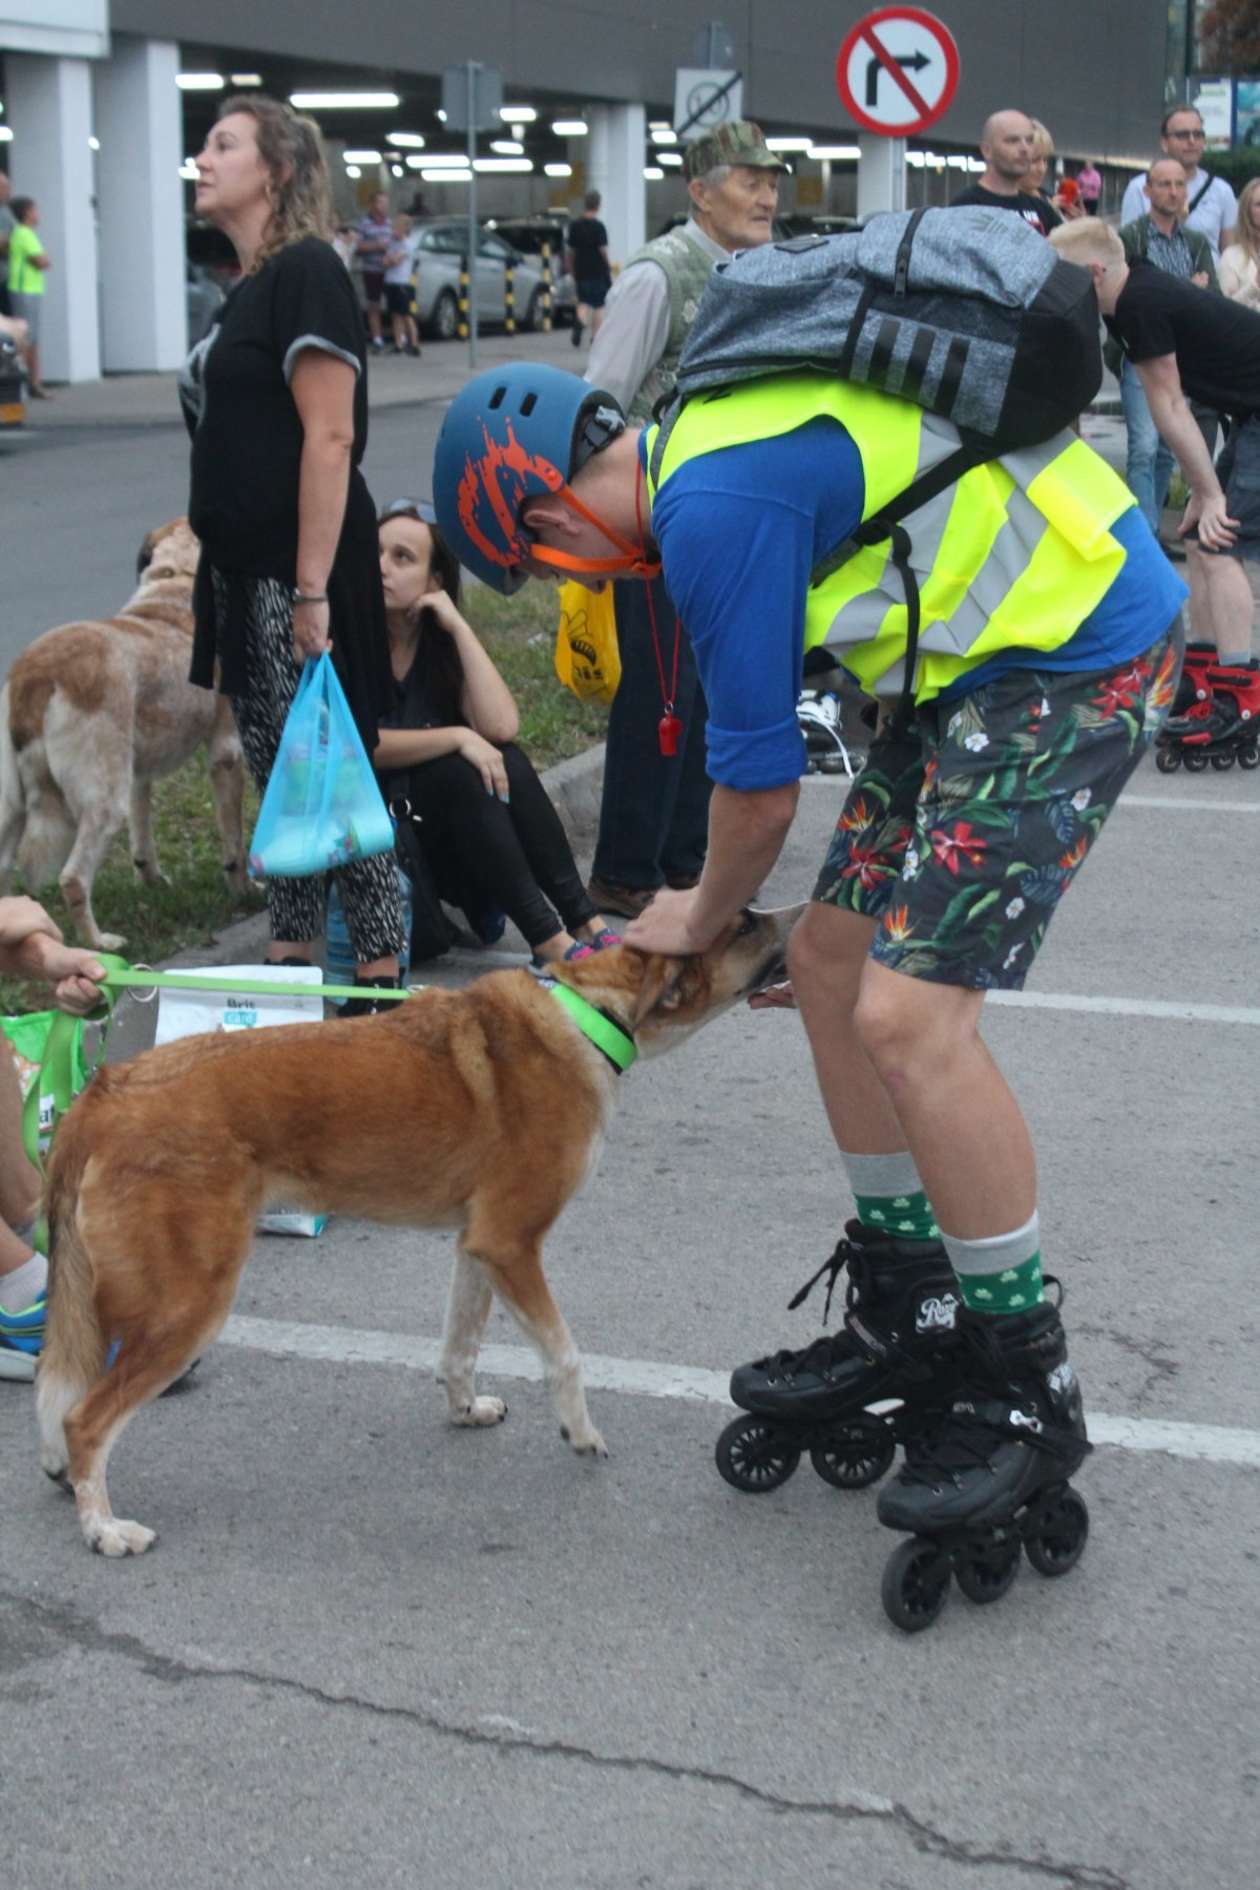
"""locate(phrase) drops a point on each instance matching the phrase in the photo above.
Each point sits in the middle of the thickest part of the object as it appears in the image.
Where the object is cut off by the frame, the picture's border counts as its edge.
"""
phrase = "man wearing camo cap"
(654, 818)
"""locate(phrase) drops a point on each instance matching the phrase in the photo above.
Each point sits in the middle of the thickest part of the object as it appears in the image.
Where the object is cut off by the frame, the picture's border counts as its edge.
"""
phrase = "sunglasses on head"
(419, 509)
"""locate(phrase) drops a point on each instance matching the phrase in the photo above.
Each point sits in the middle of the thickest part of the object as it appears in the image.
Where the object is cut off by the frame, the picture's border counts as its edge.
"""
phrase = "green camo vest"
(687, 268)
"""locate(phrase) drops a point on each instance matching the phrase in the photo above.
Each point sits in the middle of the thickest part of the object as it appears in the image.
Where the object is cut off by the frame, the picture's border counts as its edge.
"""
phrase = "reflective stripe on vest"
(1015, 555)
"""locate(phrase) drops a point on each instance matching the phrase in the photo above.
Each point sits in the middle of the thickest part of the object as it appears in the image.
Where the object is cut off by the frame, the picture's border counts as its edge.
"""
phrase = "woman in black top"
(275, 399)
(491, 837)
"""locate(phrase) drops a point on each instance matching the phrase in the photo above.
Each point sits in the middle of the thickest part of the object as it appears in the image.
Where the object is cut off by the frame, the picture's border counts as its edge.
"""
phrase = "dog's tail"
(74, 1345)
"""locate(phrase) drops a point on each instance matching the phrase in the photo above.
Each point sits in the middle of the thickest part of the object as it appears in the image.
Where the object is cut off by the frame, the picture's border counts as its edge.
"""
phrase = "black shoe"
(1015, 1426)
(575, 335)
(367, 1005)
(901, 1304)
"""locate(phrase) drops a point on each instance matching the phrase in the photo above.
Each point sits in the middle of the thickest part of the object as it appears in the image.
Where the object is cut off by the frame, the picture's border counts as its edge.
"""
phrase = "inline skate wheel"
(1249, 757)
(915, 1586)
(1057, 1536)
(1168, 760)
(1194, 761)
(854, 1455)
(1222, 762)
(755, 1455)
(988, 1573)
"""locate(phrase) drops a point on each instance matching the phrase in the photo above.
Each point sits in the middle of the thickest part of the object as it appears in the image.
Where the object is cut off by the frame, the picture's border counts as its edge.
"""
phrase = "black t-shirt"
(587, 236)
(246, 432)
(1216, 340)
(1029, 204)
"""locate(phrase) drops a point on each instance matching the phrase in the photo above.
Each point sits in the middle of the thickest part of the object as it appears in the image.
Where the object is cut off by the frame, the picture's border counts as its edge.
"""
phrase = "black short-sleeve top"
(235, 391)
(1216, 341)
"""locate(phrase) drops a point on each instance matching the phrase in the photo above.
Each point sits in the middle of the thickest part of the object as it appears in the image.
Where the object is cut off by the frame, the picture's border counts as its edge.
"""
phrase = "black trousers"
(654, 815)
(486, 853)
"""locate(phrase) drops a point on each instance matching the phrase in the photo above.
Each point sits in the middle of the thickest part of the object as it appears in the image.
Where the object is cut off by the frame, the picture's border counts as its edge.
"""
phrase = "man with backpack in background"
(1211, 207)
(796, 510)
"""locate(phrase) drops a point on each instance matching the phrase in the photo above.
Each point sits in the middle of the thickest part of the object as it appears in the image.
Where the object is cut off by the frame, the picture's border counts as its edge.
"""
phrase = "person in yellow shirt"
(28, 263)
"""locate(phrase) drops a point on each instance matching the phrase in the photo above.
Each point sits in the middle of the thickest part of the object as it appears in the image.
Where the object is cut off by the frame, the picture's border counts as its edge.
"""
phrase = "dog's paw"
(120, 1538)
(587, 1443)
(55, 1464)
(107, 942)
(480, 1411)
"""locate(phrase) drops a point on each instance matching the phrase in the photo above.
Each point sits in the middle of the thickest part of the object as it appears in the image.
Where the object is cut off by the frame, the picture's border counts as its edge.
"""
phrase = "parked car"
(528, 234)
(440, 252)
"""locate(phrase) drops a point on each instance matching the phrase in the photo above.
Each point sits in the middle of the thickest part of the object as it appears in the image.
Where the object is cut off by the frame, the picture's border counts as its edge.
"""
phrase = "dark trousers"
(485, 853)
(654, 816)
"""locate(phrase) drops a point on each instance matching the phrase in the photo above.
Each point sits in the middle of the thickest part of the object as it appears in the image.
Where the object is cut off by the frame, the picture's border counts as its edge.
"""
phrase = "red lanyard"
(669, 728)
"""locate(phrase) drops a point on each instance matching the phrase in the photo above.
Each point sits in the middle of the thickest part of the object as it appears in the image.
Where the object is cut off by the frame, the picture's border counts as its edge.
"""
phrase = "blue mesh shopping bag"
(322, 807)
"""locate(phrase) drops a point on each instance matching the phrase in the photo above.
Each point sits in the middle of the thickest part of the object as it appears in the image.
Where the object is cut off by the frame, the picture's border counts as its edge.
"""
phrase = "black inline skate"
(1220, 726)
(896, 1344)
(991, 1477)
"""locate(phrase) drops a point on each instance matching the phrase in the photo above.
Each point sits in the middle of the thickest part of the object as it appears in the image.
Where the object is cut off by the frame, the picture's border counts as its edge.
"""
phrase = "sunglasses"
(1188, 134)
(419, 509)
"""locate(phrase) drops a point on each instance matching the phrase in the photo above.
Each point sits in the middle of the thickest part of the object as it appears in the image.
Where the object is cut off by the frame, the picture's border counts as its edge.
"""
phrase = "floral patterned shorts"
(962, 834)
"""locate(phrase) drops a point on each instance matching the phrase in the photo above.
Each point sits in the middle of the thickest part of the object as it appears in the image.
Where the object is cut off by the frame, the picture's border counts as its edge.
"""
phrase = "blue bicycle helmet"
(512, 434)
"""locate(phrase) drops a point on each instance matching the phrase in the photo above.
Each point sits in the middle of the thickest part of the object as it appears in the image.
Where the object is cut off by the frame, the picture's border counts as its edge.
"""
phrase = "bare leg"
(1230, 605)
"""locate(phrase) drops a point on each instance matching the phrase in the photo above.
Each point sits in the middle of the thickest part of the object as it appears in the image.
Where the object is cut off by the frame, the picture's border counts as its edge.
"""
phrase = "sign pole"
(881, 179)
(472, 213)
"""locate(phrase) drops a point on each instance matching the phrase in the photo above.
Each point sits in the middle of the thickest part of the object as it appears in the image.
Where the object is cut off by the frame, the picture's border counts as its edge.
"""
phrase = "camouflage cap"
(739, 142)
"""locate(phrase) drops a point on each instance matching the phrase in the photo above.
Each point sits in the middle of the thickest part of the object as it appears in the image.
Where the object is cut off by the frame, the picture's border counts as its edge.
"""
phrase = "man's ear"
(546, 513)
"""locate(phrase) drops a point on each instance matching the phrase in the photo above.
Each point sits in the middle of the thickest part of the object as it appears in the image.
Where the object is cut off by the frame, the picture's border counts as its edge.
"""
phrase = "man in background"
(588, 264)
(1008, 144)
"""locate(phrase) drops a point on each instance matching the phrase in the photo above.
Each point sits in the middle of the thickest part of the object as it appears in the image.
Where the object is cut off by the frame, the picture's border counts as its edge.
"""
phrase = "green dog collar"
(602, 1030)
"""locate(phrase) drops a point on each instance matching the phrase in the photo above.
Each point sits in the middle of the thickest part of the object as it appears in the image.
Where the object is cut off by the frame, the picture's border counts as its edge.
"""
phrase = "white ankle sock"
(22, 1288)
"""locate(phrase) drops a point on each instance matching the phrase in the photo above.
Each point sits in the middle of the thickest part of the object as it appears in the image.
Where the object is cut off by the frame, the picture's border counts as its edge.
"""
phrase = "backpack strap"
(886, 524)
(901, 275)
(1199, 195)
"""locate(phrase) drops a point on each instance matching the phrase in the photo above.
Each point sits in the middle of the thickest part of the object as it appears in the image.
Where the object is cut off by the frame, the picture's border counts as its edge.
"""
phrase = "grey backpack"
(968, 313)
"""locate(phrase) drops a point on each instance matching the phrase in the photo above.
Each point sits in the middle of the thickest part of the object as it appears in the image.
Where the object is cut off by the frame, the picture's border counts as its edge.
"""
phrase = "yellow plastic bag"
(587, 659)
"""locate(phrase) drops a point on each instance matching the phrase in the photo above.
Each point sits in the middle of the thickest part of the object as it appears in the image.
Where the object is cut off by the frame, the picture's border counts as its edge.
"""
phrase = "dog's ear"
(144, 557)
(659, 988)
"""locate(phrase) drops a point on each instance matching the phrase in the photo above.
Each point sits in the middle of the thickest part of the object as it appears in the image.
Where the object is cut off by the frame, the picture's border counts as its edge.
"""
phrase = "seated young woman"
(490, 834)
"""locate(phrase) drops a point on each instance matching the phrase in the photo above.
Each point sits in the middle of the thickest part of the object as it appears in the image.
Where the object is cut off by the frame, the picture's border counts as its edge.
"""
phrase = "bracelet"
(310, 597)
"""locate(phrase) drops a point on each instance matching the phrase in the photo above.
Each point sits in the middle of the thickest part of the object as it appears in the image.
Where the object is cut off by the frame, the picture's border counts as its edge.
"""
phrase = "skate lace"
(821, 1353)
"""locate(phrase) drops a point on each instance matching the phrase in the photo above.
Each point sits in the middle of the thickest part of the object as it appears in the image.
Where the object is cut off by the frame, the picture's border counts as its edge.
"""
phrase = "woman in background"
(490, 835)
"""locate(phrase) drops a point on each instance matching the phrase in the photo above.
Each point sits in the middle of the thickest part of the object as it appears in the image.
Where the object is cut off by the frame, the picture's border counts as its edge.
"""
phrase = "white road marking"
(1176, 1013)
(1182, 806)
(642, 1378)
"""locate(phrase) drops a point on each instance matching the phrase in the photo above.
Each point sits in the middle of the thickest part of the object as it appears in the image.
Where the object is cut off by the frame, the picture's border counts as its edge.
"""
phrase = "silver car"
(440, 249)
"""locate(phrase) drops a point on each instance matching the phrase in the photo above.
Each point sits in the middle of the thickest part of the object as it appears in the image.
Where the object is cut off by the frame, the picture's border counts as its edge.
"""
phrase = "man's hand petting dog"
(669, 925)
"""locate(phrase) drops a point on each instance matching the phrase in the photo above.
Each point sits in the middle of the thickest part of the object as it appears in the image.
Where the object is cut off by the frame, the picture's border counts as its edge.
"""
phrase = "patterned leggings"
(368, 888)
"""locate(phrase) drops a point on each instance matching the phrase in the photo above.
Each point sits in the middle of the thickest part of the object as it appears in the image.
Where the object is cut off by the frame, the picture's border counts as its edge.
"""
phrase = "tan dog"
(92, 714)
(481, 1110)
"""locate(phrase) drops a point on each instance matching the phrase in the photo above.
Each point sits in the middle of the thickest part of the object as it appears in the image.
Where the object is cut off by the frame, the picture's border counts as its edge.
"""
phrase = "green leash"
(55, 1082)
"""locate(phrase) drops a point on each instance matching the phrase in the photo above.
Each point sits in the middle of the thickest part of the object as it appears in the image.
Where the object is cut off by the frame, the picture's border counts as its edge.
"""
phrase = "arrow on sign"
(914, 62)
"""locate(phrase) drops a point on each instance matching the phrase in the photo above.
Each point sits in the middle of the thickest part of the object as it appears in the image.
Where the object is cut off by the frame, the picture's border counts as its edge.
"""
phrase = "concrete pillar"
(614, 167)
(48, 104)
(144, 319)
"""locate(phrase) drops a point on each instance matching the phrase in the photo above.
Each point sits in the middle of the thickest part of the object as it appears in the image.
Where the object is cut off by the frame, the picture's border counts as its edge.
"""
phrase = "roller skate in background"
(897, 1343)
(1219, 729)
(992, 1477)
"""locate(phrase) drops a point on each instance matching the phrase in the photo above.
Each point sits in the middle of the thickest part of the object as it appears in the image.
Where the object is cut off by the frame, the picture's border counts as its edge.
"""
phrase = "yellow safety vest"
(1016, 554)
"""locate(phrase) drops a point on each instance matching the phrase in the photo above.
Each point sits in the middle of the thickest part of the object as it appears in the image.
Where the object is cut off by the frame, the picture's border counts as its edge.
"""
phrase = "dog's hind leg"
(467, 1309)
(140, 830)
(97, 826)
(12, 799)
(513, 1263)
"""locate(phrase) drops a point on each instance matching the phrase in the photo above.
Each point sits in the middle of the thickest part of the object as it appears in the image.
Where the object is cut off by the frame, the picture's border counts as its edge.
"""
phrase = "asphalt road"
(371, 1649)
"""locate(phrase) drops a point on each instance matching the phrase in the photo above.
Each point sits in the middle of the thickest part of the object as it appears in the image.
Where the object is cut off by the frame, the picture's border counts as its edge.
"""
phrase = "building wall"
(1094, 70)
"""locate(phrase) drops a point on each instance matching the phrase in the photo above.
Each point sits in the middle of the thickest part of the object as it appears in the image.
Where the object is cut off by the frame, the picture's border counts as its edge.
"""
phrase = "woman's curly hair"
(299, 191)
